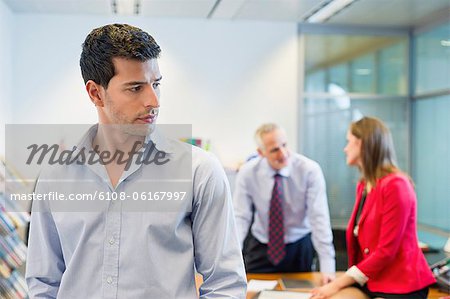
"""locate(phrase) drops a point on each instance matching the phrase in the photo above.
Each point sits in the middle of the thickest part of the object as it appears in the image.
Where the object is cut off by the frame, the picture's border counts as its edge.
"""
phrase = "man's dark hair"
(110, 41)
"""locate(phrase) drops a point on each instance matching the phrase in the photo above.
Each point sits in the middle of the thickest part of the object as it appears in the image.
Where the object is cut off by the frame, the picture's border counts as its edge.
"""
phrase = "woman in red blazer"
(384, 257)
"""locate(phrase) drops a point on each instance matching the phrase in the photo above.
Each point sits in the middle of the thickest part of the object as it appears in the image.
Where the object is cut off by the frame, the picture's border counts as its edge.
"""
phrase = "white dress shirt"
(305, 206)
(119, 252)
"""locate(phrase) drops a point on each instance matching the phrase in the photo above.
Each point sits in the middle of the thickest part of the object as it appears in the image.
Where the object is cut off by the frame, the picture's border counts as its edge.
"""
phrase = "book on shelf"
(12, 248)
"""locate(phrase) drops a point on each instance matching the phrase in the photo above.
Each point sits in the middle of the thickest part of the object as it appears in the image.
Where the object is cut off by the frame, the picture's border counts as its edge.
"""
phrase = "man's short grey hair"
(264, 129)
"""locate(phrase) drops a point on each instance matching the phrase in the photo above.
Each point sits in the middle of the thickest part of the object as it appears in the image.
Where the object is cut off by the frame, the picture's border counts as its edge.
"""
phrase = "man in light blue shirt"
(144, 211)
(305, 221)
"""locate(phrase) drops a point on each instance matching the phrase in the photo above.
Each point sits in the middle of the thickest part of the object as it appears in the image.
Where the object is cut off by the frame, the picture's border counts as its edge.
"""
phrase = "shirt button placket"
(109, 280)
(111, 251)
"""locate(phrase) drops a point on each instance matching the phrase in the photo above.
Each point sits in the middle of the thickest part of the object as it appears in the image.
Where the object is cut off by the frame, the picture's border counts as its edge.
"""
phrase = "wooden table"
(314, 277)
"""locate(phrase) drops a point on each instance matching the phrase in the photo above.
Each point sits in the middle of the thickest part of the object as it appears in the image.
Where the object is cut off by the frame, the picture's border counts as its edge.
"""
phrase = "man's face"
(275, 149)
(131, 95)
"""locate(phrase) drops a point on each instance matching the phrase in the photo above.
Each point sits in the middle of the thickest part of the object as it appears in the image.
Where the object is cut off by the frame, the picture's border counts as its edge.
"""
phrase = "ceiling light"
(328, 11)
(445, 43)
(363, 72)
(126, 7)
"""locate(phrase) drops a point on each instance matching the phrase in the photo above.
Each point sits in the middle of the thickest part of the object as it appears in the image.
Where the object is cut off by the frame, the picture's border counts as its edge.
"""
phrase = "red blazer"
(386, 249)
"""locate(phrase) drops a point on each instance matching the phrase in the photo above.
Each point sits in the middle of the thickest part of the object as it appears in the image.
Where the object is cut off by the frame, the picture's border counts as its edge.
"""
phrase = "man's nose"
(151, 98)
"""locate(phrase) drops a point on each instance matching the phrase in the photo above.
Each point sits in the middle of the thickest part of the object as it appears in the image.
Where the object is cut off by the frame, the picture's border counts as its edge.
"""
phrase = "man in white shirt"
(281, 197)
(132, 240)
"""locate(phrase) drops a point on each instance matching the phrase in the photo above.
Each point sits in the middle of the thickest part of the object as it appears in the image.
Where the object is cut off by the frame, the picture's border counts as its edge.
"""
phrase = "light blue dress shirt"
(305, 206)
(112, 252)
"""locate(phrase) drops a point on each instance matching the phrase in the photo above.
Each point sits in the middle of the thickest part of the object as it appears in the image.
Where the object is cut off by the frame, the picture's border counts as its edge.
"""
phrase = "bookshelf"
(12, 247)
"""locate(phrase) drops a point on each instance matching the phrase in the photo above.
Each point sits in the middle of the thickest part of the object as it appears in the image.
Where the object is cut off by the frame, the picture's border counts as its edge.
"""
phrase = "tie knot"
(278, 179)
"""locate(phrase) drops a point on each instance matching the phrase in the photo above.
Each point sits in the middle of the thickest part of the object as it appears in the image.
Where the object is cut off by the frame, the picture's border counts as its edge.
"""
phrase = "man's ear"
(260, 152)
(95, 92)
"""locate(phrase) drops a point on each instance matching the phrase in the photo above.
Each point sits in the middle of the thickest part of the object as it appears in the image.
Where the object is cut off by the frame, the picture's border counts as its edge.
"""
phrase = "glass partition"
(431, 126)
(347, 77)
(433, 59)
(431, 156)
(326, 124)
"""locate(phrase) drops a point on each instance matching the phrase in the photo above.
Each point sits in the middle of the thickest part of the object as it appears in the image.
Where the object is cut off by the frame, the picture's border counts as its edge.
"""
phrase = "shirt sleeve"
(45, 263)
(242, 202)
(218, 256)
(357, 275)
(319, 218)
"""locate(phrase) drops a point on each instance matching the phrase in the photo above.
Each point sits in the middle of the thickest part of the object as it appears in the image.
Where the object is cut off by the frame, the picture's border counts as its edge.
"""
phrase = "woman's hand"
(325, 291)
(327, 278)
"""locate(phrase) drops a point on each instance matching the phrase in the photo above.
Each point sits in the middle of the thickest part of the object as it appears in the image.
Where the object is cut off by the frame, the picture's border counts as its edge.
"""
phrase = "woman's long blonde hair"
(377, 149)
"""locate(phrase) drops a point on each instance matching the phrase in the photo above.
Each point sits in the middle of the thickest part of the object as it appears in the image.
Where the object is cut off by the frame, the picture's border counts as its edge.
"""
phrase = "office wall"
(430, 127)
(223, 77)
(6, 27)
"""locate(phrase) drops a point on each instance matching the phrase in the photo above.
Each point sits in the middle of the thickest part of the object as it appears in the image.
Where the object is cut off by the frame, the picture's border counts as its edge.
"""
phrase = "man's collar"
(160, 140)
(285, 171)
(86, 141)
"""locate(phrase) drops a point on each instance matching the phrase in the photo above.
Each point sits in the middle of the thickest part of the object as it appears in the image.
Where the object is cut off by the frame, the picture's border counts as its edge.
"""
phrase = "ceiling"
(394, 13)
(321, 51)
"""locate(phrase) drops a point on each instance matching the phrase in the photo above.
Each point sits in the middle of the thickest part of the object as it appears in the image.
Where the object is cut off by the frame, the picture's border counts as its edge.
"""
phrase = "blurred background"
(312, 66)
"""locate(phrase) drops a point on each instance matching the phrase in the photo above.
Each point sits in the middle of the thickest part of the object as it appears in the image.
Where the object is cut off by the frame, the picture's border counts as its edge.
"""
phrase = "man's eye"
(274, 150)
(156, 84)
(136, 88)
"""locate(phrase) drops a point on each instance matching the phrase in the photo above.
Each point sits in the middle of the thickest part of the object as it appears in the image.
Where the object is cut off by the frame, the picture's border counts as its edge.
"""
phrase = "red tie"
(275, 247)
